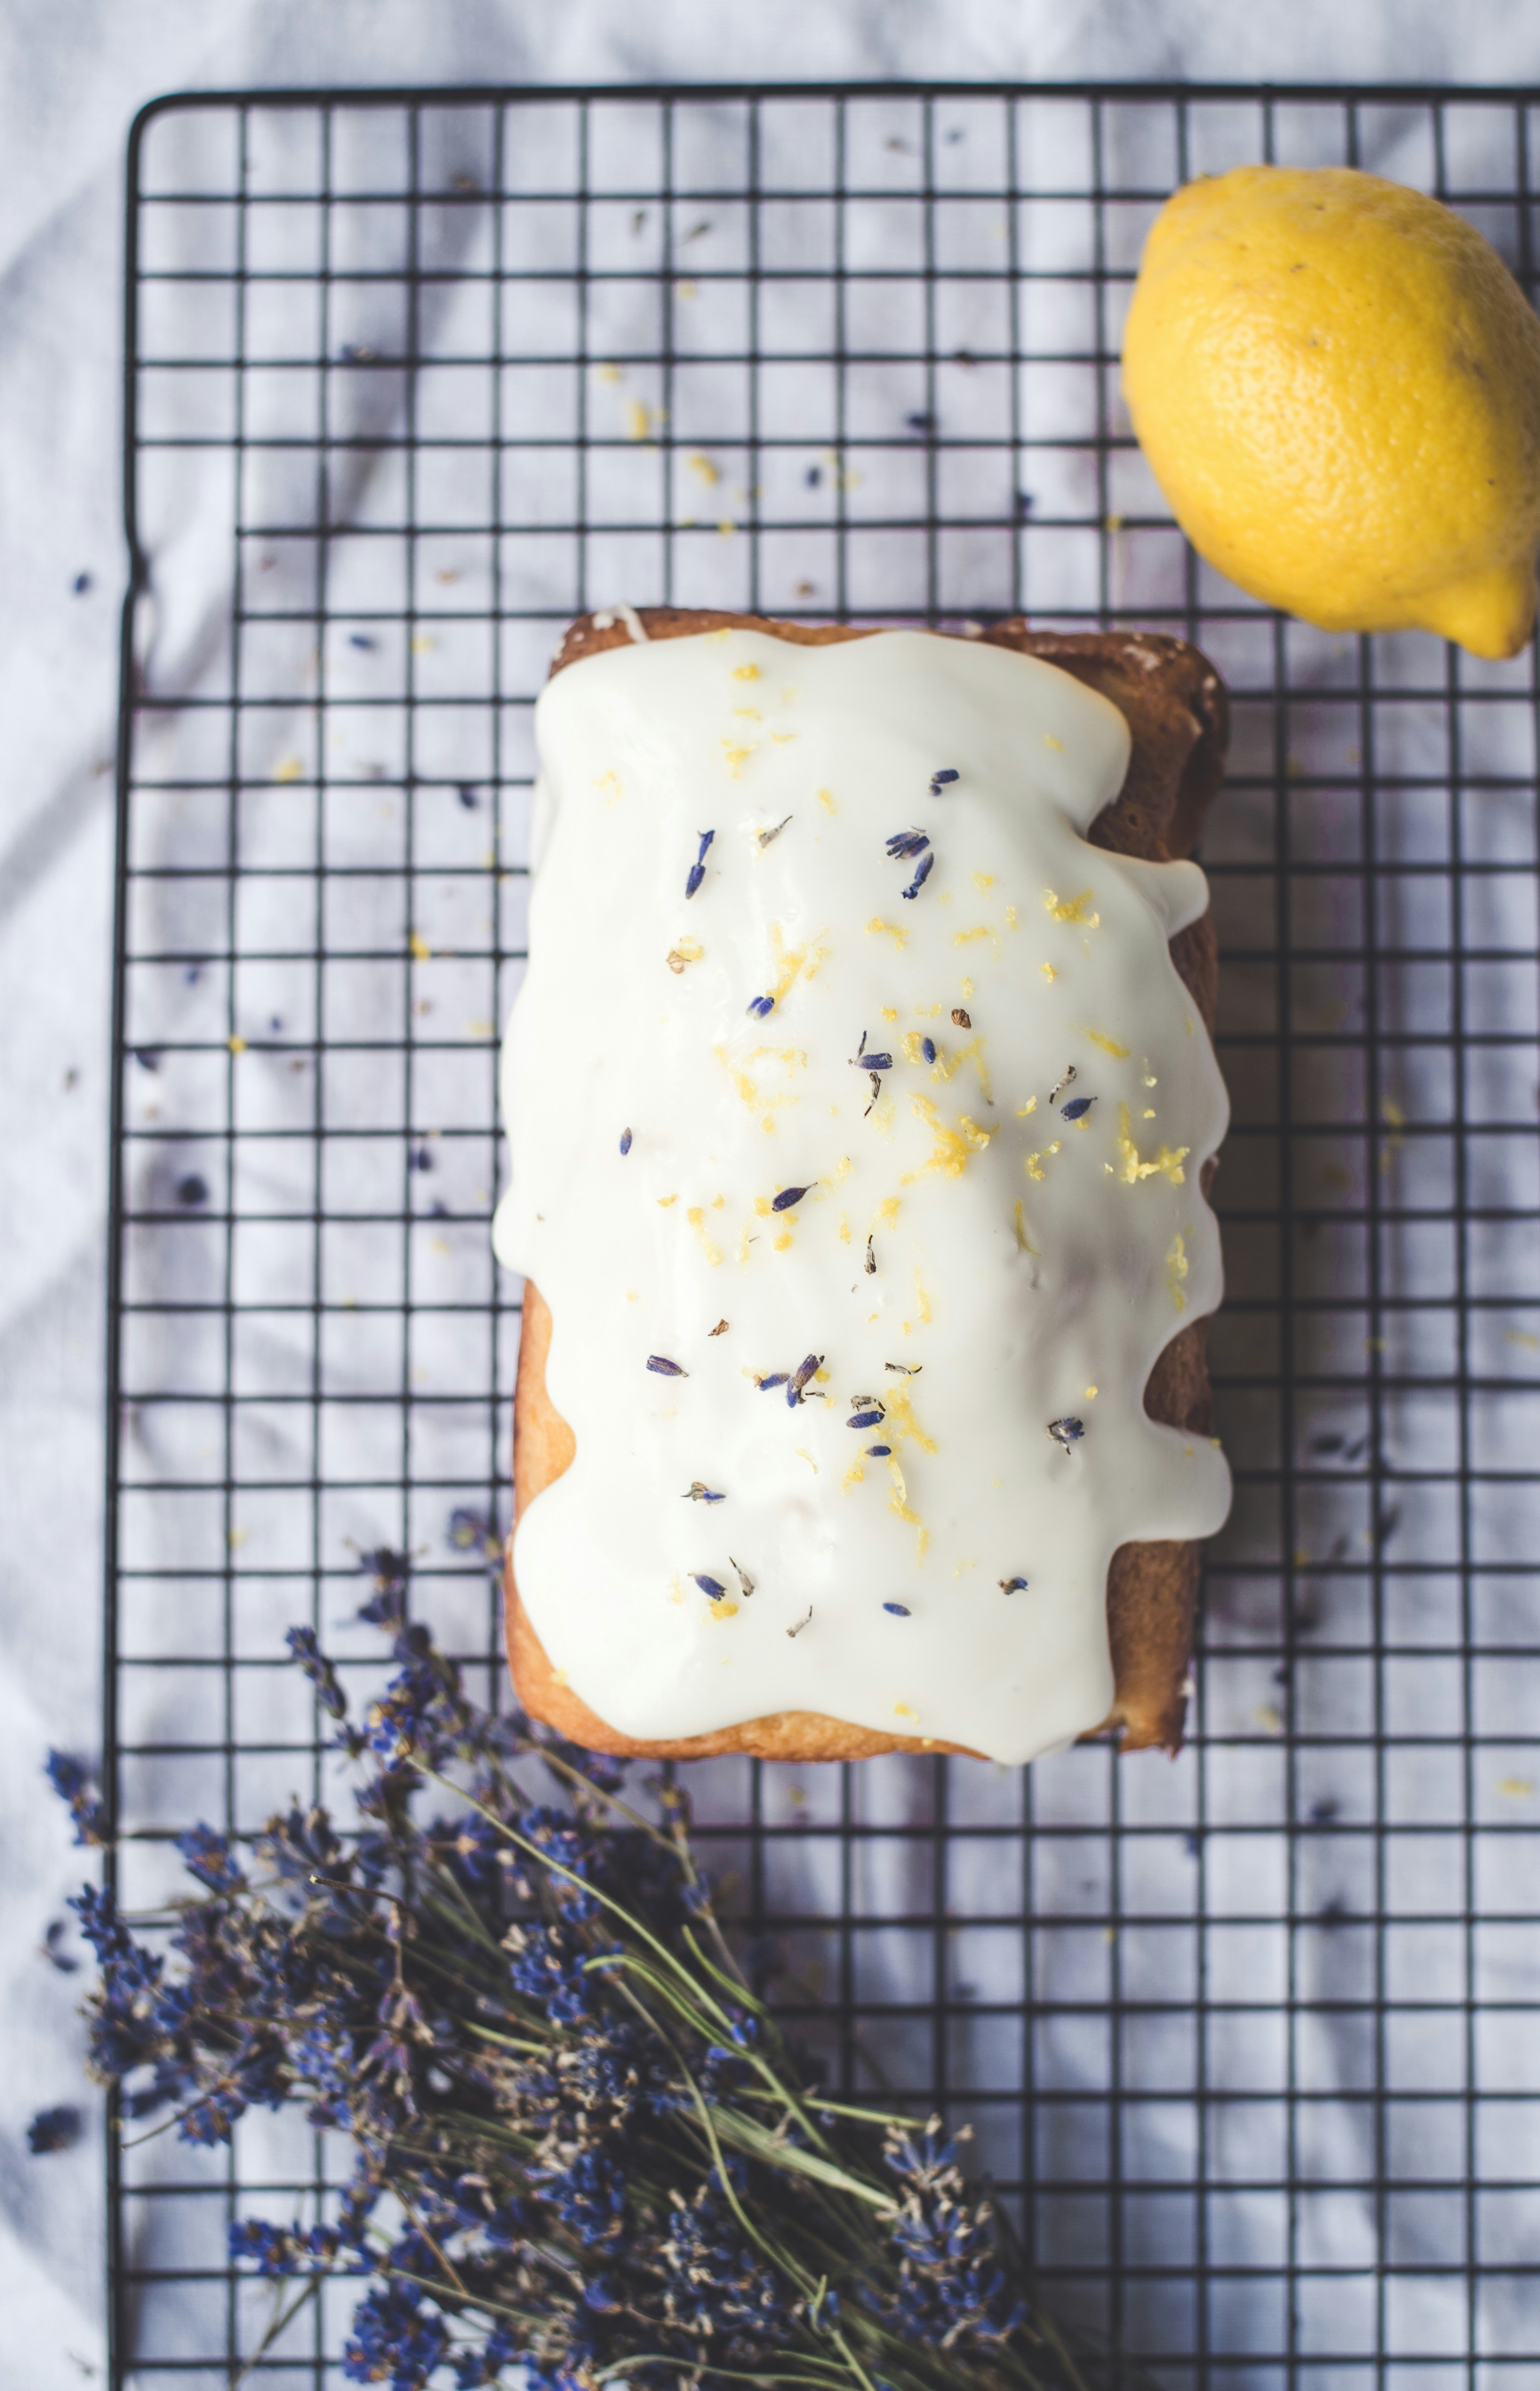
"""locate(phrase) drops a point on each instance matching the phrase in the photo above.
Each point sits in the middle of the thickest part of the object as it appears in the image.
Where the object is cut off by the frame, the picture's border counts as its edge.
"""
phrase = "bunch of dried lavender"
(583, 2151)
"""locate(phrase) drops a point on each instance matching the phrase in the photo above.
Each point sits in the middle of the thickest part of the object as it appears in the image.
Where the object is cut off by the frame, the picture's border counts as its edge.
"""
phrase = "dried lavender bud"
(471, 1531)
(53, 2129)
(928, 1047)
(761, 1007)
(1076, 1108)
(665, 1369)
(1012, 1586)
(922, 874)
(878, 1452)
(907, 842)
(697, 870)
(899, 1609)
(800, 1376)
(777, 1378)
(710, 1585)
(873, 1063)
(865, 1420)
(1067, 1432)
(943, 780)
(625, 1141)
(700, 1492)
(787, 1197)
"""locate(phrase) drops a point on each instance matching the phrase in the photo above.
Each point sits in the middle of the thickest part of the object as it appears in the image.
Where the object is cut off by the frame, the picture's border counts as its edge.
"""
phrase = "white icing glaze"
(1029, 1268)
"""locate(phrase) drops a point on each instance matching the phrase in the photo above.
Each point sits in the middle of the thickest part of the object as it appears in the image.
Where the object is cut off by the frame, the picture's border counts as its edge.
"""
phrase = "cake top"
(857, 1116)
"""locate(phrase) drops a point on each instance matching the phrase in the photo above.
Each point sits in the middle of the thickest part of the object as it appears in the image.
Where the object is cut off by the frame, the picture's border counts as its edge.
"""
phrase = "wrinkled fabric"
(73, 74)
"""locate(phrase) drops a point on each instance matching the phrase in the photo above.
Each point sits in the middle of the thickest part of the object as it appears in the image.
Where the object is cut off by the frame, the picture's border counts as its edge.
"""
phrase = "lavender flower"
(304, 1645)
(387, 1605)
(73, 1785)
(583, 2149)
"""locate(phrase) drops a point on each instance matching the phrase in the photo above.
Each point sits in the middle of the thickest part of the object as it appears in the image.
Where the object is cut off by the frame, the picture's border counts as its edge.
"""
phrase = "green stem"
(279, 2324)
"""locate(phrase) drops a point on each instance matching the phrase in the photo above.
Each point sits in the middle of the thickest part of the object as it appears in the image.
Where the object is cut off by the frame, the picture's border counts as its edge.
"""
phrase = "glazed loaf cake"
(863, 1116)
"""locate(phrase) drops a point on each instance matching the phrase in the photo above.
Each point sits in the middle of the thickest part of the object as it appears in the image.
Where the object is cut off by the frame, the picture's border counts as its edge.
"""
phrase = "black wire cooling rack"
(1250, 2037)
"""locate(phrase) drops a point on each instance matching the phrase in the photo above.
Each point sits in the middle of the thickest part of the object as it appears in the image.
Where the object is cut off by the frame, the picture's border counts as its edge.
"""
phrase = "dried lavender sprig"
(714, 2229)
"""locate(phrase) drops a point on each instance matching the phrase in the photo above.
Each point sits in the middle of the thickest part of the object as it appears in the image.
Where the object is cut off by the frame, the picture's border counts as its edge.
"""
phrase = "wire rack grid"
(1249, 2038)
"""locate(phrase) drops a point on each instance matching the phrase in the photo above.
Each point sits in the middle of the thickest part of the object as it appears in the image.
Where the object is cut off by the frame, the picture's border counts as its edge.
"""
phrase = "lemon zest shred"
(953, 1148)
(900, 1421)
(947, 1065)
(696, 1218)
(898, 1502)
(1167, 1164)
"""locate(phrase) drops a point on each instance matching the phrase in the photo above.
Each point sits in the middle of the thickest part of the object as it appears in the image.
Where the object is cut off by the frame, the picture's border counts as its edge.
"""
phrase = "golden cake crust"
(1174, 703)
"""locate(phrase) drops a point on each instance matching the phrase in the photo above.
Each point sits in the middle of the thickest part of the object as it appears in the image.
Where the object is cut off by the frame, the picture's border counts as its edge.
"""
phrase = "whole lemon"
(1336, 383)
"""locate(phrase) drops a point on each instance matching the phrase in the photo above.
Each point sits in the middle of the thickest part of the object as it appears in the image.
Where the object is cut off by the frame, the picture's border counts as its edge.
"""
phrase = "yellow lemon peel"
(1297, 335)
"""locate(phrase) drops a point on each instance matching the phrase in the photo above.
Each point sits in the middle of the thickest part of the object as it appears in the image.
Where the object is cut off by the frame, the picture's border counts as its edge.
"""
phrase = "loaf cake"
(863, 1107)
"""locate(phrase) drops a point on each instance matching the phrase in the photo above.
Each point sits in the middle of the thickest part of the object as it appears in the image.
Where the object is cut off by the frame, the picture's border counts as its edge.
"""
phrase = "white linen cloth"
(74, 73)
